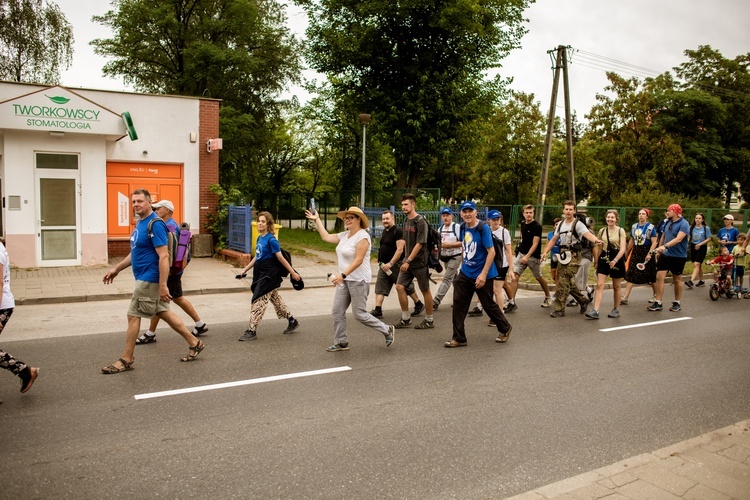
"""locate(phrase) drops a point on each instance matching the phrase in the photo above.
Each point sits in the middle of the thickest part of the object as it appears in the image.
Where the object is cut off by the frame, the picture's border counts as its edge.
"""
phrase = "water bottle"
(386, 271)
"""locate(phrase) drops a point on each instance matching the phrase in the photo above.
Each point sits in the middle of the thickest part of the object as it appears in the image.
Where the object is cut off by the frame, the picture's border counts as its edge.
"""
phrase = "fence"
(239, 223)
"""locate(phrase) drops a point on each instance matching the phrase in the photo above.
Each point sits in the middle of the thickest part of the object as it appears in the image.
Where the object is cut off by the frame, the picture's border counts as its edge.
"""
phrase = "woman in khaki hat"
(353, 248)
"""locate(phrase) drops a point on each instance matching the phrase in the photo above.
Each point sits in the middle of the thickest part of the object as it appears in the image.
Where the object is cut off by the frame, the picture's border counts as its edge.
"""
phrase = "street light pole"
(364, 119)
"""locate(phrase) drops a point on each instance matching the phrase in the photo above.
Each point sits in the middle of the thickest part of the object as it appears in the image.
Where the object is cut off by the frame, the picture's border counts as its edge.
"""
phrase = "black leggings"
(6, 360)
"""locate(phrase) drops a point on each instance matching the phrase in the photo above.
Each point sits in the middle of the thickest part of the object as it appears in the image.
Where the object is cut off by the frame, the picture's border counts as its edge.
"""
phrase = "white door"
(58, 208)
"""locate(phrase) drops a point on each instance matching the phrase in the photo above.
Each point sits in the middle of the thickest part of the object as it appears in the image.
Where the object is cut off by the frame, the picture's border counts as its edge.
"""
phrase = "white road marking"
(242, 382)
(641, 325)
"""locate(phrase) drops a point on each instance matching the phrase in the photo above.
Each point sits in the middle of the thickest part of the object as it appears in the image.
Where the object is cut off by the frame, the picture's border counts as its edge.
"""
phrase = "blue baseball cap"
(446, 210)
(494, 214)
(468, 205)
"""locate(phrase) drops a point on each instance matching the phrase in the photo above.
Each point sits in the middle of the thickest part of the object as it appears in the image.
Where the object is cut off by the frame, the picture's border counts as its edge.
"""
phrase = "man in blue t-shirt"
(672, 251)
(477, 270)
(149, 258)
(164, 209)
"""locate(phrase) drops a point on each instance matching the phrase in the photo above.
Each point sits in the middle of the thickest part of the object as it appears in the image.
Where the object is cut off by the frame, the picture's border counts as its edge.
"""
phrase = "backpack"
(434, 242)
(288, 257)
(578, 217)
(178, 245)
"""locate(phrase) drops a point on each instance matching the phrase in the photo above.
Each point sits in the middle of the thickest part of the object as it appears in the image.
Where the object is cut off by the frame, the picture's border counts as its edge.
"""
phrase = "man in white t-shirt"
(569, 232)
(450, 254)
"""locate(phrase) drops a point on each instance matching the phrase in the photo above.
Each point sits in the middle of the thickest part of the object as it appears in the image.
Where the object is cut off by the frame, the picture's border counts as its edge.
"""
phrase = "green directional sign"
(128, 120)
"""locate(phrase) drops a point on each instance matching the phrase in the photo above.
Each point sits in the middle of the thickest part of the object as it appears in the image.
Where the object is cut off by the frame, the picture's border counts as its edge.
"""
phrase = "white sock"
(199, 324)
(405, 316)
(150, 333)
(429, 318)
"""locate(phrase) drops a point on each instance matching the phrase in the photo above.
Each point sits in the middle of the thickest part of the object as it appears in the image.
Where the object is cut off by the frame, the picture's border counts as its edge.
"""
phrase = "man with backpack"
(164, 210)
(477, 274)
(149, 257)
(450, 253)
(414, 266)
(570, 233)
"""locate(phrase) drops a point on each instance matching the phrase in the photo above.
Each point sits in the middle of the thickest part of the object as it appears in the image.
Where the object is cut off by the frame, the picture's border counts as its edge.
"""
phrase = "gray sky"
(635, 38)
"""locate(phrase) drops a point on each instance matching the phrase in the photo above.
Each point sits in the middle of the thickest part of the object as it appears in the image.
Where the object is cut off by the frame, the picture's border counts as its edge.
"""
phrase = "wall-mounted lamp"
(55, 133)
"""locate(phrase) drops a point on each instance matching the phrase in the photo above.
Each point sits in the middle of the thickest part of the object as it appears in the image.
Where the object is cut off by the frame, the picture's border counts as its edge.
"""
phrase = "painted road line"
(251, 381)
(641, 325)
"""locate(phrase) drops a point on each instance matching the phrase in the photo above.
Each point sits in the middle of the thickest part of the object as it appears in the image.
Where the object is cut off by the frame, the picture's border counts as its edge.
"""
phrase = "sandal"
(454, 343)
(108, 370)
(145, 339)
(194, 351)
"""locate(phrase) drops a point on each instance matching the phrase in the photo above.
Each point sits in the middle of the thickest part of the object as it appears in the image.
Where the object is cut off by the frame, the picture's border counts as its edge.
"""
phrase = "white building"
(70, 158)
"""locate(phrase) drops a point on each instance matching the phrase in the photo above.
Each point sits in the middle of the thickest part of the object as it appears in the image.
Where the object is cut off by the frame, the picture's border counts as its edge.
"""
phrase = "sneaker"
(145, 339)
(293, 324)
(557, 314)
(435, 306)
(391, 336)
(510, 307)
(590, 292)
(197, 332)
(584, 305)
(403, 323)
(425, 325)
(614, 313)
(378, 313)
(593, 314)
(418, 308)
(689, 284)
(675, 307)
(503, 337)
(344, 346)
(656, 306)
(248, 335)
(747, 295)
(491, 323)
(623, 302)
(701, 283)
(547, 302)
(475, 312)
(572, 303)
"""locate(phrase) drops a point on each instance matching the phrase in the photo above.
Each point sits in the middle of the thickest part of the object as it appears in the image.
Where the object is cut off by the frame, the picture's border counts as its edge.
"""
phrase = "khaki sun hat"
(365, 223)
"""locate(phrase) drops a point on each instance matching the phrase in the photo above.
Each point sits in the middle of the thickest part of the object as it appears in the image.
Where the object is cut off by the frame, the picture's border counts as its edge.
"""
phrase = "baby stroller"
(723, 283)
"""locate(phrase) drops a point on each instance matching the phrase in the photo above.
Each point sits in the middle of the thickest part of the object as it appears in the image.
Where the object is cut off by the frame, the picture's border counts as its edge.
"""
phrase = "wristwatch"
(343, 276)
(408, 260)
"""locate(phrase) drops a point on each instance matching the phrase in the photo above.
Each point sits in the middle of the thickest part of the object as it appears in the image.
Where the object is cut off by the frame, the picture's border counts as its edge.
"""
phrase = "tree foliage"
(417, 66)
(36, 41)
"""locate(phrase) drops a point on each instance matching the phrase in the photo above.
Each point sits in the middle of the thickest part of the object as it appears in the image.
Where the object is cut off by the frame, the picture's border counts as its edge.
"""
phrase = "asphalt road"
(412, 421)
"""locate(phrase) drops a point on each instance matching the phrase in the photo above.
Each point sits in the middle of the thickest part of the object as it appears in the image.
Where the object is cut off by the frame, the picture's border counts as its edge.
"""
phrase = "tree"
(235, 50)
(418, 66)
(721, 88)
(36, 41)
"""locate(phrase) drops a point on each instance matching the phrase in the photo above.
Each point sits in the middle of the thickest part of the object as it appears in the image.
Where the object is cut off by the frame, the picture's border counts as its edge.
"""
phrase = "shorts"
(674, 265)
(421, 274)
(502, 274)
(532, 263)
(698, 255)
(146, 302)
(553, 262)
(739, 271)
(174, 284)
(384, 283)
(602, 267)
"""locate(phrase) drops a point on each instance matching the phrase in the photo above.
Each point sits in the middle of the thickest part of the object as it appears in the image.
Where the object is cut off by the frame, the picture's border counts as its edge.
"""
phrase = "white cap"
(164, 203)
(729, 216)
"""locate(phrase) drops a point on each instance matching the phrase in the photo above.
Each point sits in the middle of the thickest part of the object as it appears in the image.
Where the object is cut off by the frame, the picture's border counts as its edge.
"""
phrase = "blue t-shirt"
(474, 246)
(642, 234)
(266, 247)
(555, 249)
(671, 230)
(143, 256)
(730, 234)
(700, 234)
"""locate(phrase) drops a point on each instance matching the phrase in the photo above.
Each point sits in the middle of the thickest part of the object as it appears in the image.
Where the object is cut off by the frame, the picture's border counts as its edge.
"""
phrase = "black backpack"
(434, 242)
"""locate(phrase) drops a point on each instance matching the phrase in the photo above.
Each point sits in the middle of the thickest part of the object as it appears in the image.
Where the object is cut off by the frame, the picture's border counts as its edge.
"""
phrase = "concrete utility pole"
(561, 62)
(364, 119)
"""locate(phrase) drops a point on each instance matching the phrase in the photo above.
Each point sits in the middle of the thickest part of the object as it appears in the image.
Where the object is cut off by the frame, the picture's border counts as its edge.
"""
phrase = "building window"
(57, 161)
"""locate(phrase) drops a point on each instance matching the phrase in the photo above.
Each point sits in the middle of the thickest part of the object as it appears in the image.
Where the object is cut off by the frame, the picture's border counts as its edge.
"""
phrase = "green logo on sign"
(57, 99)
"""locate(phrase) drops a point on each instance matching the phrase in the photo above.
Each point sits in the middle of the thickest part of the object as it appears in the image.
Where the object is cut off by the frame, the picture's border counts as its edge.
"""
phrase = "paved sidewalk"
(203, 276)
(712, 466)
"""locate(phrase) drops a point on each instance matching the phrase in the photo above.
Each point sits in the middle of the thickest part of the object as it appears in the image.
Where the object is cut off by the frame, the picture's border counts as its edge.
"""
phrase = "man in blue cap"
(477, 273)
(450, 254)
